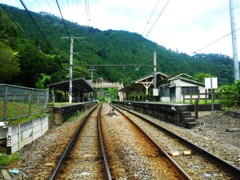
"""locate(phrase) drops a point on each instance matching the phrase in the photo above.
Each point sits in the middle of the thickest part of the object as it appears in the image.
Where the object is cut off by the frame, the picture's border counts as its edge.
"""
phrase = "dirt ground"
(220, 132)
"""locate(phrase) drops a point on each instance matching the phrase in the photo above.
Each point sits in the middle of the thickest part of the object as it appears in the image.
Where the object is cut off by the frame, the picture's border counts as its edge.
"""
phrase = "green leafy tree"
(201, 76)
(32, 63)
(43, 81)
(9, 65)
(9, 29)
(231, 93)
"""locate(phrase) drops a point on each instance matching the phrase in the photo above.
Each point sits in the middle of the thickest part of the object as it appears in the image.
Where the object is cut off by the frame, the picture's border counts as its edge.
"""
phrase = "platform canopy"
(138, 85)
(78, 85)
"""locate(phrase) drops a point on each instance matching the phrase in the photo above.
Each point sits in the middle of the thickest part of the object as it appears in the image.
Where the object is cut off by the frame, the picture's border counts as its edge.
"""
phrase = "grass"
(19, 111)
(202, 101)
(6, 160)
(25, 119)
(75, 117)
(58, 104)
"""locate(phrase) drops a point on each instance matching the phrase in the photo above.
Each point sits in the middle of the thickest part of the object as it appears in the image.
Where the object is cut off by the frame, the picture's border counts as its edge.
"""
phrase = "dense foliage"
(33, 60)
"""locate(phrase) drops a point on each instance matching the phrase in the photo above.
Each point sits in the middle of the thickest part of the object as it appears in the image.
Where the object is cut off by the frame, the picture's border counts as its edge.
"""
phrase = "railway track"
(123, 152)
(197, 162)
(82, 156)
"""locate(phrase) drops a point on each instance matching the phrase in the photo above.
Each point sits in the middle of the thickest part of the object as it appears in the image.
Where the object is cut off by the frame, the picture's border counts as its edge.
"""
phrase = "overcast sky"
(184, 25)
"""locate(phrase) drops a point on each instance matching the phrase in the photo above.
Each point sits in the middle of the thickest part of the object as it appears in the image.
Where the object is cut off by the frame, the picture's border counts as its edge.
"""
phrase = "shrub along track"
(192, 159)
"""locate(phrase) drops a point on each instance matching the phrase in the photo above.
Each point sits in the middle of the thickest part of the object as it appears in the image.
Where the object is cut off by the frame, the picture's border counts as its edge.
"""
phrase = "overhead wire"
(39, 5)
(68, 4)
(63, 19)
(88, 26)
(215, 41)
(49, 6)
(157, 18)
(43, 35)
(150, 17)
(87, 11)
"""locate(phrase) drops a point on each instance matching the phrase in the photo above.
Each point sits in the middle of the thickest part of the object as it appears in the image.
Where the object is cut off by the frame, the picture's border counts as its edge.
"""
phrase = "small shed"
(173, 88)
(80, 89)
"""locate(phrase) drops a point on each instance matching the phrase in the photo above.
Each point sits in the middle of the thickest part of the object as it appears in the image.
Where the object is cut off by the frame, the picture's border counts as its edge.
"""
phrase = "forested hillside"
(41, 55)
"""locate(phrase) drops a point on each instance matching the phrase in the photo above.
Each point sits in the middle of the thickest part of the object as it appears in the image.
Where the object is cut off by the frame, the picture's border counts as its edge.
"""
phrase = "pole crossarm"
(147, 85)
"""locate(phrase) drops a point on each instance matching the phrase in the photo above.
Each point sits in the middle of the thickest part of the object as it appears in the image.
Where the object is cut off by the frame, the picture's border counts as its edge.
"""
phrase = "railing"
(219, 97)
(17, 102)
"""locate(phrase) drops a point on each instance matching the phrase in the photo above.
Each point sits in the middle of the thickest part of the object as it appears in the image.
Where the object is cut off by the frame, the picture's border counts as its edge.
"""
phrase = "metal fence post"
(5, 104)
(30, 102)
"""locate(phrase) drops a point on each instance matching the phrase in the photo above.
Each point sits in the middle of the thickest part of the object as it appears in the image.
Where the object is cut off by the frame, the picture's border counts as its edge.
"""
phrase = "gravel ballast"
(39, 157)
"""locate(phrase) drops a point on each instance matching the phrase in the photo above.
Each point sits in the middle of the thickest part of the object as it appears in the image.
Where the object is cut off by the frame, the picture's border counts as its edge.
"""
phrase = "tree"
(43, 81)
(9, 30)
(32, 63)
(201, 76)
(9, 65)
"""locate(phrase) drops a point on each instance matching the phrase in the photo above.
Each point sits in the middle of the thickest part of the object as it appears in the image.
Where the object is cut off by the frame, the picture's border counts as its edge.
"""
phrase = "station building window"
(190, 90)
(165, 91)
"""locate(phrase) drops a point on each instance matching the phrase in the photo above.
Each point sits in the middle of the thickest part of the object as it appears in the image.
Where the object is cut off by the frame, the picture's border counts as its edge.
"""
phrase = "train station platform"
(185, 115)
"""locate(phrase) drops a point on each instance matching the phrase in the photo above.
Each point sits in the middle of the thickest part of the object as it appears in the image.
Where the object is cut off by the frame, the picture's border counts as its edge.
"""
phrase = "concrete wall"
(62, 113)
(22, 134)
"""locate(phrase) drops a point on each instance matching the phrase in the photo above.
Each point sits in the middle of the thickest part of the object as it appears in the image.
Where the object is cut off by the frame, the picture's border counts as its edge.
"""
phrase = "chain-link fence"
(17, 102)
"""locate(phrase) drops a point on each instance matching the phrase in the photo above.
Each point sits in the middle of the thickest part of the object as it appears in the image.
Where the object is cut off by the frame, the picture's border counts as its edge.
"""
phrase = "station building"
(170, 88)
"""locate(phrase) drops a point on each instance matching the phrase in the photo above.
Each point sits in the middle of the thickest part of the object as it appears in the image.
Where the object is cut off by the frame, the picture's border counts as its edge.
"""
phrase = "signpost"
(211, 83)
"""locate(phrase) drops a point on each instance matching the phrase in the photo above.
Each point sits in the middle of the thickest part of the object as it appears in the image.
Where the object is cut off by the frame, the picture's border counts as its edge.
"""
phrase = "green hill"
(44, 57)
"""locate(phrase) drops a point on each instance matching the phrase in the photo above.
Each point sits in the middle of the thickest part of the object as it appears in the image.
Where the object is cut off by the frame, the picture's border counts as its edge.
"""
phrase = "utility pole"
(234, 42)
(155, 89)
(154, 69)
(92, 73)
(70, 65)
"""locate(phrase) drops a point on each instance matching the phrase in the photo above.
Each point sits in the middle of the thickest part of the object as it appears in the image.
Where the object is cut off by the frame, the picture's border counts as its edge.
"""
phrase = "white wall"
(22, 134)
(178, 84)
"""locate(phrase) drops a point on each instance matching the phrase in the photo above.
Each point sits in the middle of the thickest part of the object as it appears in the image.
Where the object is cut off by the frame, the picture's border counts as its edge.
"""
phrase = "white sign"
(155, 92)
(211, 82)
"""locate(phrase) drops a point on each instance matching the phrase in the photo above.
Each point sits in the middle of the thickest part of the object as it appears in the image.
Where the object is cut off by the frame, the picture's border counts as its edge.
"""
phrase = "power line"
(214, 41)
(150, 17)
(87, 11)
(68, 4)
(49, 6)
(158, 18)
(39, 5)
(63, 19)
(44, 37)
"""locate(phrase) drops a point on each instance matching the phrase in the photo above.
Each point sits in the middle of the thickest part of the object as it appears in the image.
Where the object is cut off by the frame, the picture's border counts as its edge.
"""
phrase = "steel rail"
(71, 142)
(225, 165)
(107, 169)
(178, 168)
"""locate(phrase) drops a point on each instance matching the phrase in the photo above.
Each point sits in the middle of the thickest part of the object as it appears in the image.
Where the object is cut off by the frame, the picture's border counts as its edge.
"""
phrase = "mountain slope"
(116, 47)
